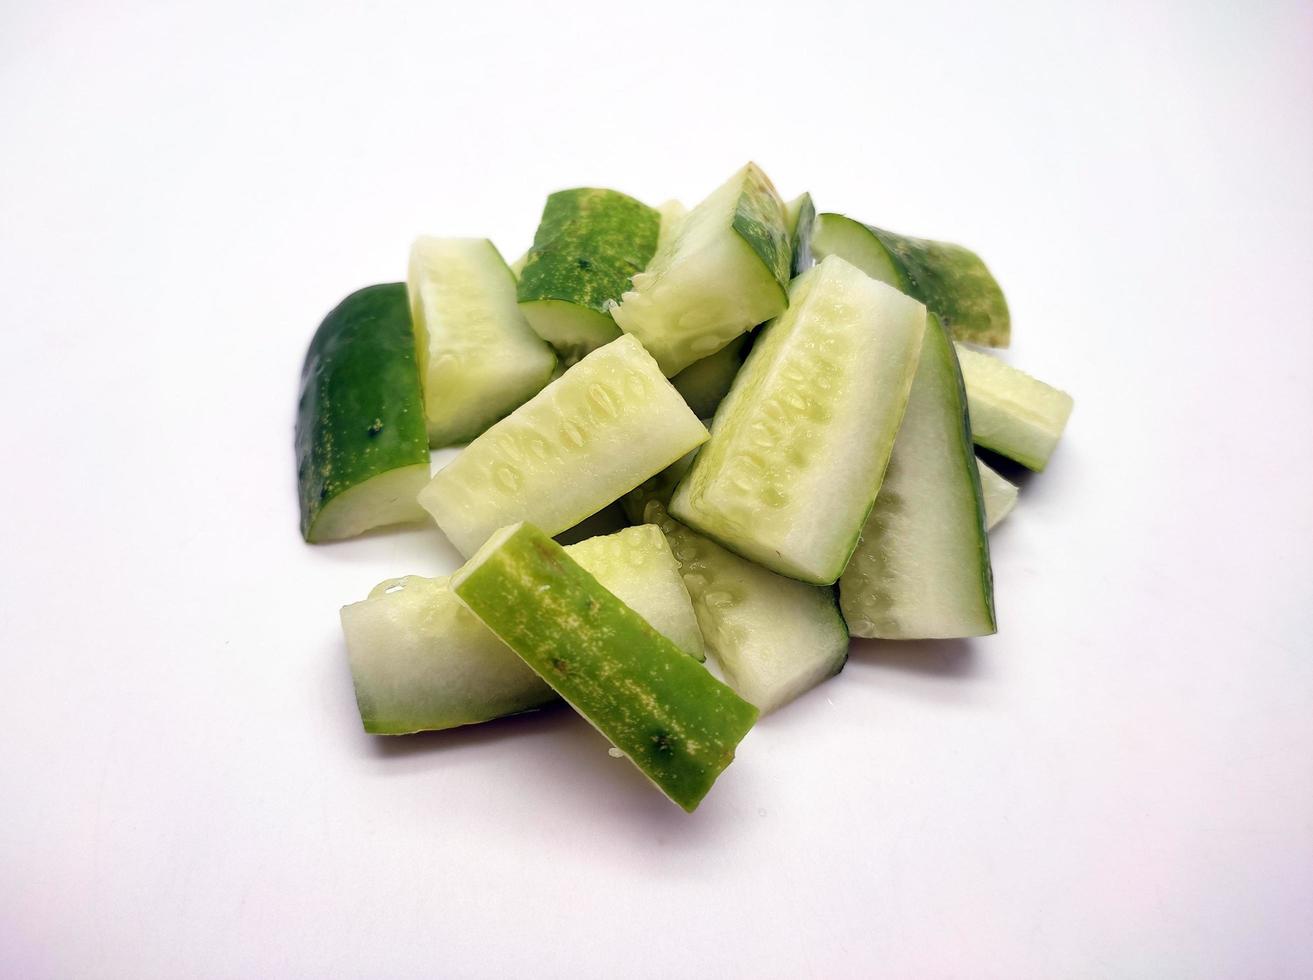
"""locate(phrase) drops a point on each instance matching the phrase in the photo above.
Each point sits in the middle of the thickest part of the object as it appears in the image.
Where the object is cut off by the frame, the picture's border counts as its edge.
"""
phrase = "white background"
(1120, 784)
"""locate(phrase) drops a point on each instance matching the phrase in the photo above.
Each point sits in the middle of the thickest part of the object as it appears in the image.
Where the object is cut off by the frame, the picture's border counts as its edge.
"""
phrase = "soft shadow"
(947, 659)
(545, 721)
(608, 520)
(1010, 470)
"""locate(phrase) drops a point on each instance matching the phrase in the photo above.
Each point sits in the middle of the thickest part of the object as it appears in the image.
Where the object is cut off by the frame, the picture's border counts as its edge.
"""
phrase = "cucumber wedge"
(655, 703)
(361, 450)
(705, 383)
(1000, 496)
(589, 244)
(950, 280)
(595, 433)
(922, 568)
(1012, 413)
(673, 214)
(799, 446)
(723, 271)
(421, 661)
(800, 221)
(478, 356)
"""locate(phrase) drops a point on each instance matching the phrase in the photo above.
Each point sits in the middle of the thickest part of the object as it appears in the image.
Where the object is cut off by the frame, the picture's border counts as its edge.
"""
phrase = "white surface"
(1118, 785)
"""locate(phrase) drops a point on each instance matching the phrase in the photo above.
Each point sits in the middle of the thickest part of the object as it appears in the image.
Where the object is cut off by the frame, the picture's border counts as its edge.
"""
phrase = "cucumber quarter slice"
(950, 280)
(479, 358)
(800, 444)
(800, 221)
(589, 244)
(655, 703)
(1000, 496)
(723, 271)
(595, 433)
(361, 450)
(421, 661)
(1012, 413)
(705, 383)
(922, 568)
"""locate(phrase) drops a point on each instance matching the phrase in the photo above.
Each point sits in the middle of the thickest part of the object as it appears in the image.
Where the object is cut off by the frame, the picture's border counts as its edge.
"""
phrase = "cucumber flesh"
(656, 704)
(705, 383)
(950, 280)
(660, 488)
(599, 430)
(1000, 495)
(799, 446)
(361, 449)
(723, 271)
(1012, 413)
(800, 221)
(922, 568)
(478, 356)
(672, 214)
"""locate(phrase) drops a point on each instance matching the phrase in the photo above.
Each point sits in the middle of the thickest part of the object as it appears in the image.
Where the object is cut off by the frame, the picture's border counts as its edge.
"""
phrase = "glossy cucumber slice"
(800, 221)
(421, 661)
(656, 704)
(599, 430)
(950, 280)
(922, 568)
(723, 271)
(478, 356)
(798, 447)
(1000, 495)
(1012, 413)
(705, 383)
(589, 244)
(361, 450)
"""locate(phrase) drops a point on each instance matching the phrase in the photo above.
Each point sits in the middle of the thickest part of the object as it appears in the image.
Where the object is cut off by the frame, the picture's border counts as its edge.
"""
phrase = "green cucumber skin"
(361, 407)
(759, 220)
(800, 217)
(656, 704)
(705, 383)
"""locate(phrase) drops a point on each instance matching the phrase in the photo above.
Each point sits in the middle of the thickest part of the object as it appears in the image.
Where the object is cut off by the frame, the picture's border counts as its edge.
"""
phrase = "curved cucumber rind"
(1000, 496)
(421, 661)
(1012, 413)
(705, 383)
(950, 280)
(661, 708)
(798, 447)
(800, 221)
(361, 450)
(599, 430)
(478, 356)
(922, 568)
(724, 270)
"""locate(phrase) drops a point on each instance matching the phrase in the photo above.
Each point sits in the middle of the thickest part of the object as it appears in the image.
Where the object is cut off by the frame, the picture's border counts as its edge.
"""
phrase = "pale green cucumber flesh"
(361, 449)
(673, 214)
(656, 704)
(800, 221)
(659, 487)
(999, 494)
(921, 570)
(573, 330)
(1012, 413)
(799, 445)
(705, 383)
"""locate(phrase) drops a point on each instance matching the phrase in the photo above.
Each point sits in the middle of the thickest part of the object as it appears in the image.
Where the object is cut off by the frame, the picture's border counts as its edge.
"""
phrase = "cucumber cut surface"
(922, 568)
(606, 425)
(656, 704)
(950, 280)
(799, 445)
(478, 356)
(672, 214)
(361, 449)
(999, 494)
(705, 383)
(724, 270)
(800, 221)
(1012, 413)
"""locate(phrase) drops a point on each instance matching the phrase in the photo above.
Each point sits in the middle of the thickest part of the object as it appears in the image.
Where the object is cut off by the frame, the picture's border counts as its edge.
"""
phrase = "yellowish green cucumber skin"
(921, 570)
(800, 444)
(361, 450)
(603, 427)
(1013, 414)
(657, 705)
(421, 661)
(705, 383)
(478, 356)
(999, 494)
(800, 221)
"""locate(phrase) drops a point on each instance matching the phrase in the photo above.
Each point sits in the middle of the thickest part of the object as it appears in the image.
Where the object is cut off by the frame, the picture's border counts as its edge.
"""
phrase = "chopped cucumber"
(421, 661)
(517, 266)
(599, 430)
(660, 488)
(800, 221)
(1000, 495)
(799, 446)
(656, 704)
(1012, 413)
(950, 280)
(478, 356)
(723, 271)
(589, 244)
(361, 450)
(672, 214)
(922, 568)
(705, 383)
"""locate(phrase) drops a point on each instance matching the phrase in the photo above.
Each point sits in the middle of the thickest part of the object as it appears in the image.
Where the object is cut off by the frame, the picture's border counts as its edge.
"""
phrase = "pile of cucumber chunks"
(780, 410)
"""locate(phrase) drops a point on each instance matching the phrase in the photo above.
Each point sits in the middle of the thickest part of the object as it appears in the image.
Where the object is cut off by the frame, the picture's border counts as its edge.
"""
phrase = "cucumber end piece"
(572, 329)
(389, 498)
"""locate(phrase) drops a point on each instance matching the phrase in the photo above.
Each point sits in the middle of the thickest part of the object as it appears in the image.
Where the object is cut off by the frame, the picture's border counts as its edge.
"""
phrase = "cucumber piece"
(922, 568)
(660, 488)
(421, 661)
(724, 270)
(589, 244)
(1000, 495)
(672, 214)
(478, 356)
(656, 704)
(705, 383)
(798, 447)
(361, 450)
(599, 430)
(950, 280)
(517, 267)
(800, 221)
(1012, 413)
